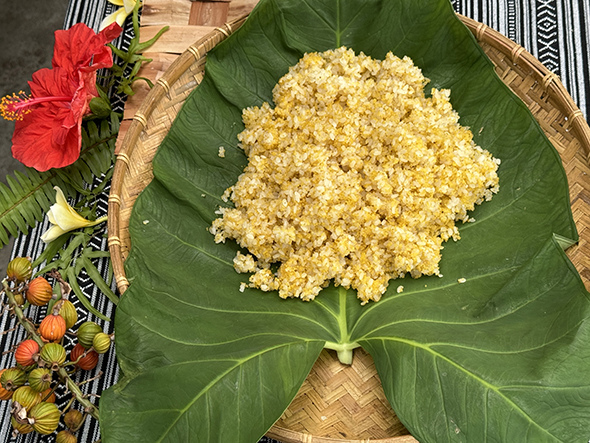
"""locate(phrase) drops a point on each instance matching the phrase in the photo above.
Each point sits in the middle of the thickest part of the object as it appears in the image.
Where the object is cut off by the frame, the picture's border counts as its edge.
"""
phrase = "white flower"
(120, 14)
(64, 218)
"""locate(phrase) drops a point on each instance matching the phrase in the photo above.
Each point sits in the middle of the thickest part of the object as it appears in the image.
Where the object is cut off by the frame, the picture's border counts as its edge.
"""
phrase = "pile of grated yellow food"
(354, 176)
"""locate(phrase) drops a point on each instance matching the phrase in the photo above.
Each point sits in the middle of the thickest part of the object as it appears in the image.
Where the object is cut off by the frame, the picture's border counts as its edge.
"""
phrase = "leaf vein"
(217, 379)
(485, 384)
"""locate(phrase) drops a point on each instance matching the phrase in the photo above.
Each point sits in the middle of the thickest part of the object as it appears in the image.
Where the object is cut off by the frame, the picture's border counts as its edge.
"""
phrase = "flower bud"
(21, 428)
(73, 419)
(39, 291)
(19, 298)
(54, 355)
(4, 394)
(86, 333)
(69, 313)
(53, 327)
(100, 107)
(85, 362)
(65, 437)
(40, 379)
(27, 352)
(27, 397)
(13, 378)
(101, 342)
(44, 417)
(19, 269)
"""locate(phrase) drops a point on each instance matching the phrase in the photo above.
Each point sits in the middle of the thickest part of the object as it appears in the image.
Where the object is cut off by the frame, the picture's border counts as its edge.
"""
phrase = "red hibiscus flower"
(80, 48)
(47, 132)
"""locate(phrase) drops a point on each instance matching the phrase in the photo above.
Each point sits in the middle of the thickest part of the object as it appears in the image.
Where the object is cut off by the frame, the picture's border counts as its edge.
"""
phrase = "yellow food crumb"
(354, 176)
(461, 280)
(399, 289)
(221, 152)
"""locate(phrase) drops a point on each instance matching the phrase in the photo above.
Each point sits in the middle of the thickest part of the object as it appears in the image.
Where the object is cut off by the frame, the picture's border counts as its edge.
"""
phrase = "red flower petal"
(81, 48)
(49, 136)
(41, 142)
(103, 56)
(85, 92)
(53, 82)
(60, 82)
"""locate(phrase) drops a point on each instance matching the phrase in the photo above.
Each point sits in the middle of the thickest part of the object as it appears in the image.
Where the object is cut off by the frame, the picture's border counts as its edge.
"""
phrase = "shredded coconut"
(353, 177)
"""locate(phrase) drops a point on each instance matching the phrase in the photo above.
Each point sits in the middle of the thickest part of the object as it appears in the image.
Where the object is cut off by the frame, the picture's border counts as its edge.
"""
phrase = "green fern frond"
(21, 203)
(26, 197)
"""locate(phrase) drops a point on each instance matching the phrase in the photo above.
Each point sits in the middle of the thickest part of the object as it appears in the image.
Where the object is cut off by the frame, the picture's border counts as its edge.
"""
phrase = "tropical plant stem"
(344, 346)
(344, 351)
(30, 328)
(91, 408)
(24, 322)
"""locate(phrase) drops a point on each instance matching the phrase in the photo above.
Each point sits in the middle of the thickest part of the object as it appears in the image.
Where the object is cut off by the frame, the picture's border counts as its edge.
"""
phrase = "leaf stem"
(25, 323)
(344, 350)
(344, 347)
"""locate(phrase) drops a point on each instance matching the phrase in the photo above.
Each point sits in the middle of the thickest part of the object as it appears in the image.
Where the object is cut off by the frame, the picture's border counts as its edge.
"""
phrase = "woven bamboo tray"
(346, 403)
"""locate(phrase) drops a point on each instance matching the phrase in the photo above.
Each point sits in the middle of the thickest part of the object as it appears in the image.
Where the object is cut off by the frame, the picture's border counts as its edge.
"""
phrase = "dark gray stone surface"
(26, 45)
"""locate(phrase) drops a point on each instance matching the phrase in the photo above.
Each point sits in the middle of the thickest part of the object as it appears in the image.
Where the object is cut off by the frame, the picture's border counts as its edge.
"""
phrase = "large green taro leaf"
(503, 357)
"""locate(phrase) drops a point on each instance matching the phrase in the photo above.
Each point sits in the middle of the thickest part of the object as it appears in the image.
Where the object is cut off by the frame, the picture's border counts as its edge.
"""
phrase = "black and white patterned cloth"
(557, 32)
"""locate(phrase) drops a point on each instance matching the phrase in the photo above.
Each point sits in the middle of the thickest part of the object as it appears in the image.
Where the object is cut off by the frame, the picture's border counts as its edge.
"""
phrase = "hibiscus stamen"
(16, 106)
